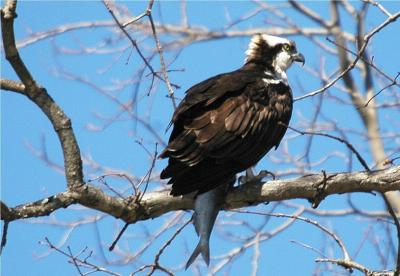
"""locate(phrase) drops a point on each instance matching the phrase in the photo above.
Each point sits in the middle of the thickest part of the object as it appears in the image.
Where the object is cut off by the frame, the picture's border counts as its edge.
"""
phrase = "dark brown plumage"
(227, 123)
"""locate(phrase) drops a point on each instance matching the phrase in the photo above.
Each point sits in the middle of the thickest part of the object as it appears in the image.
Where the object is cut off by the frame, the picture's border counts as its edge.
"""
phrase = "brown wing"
(219, 132)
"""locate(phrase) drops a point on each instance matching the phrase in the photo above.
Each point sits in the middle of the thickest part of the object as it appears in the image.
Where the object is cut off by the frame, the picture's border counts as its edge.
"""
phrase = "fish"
(206, 208)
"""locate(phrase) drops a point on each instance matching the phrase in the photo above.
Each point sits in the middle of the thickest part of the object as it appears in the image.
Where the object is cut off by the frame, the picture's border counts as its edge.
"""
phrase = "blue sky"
(24, 130)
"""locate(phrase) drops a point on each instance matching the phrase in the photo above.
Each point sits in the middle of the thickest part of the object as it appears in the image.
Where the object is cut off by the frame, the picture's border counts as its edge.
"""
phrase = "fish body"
(206, 209)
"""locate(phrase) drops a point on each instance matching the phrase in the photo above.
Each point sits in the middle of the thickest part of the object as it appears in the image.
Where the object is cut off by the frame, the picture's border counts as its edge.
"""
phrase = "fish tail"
(203, 249)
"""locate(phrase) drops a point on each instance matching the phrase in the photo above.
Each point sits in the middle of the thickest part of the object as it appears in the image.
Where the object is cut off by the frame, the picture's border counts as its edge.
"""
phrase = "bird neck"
(272, 72)
(280, 74)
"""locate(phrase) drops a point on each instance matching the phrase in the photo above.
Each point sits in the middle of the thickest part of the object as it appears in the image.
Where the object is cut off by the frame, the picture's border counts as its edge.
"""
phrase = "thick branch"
(37, 94)
(11, 85)
(155, 204)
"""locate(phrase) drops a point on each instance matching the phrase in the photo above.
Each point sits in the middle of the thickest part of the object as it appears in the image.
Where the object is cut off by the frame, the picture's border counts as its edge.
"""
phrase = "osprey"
(225, 125)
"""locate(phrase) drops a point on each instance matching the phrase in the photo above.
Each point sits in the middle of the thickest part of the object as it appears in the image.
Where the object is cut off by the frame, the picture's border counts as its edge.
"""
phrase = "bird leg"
(251, 177)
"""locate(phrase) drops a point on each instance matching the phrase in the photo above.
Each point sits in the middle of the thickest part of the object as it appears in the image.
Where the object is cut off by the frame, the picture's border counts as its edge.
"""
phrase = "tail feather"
(202, 248)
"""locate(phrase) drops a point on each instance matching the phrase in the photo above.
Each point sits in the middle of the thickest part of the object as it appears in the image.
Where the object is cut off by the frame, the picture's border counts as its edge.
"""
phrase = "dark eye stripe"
(287, 47)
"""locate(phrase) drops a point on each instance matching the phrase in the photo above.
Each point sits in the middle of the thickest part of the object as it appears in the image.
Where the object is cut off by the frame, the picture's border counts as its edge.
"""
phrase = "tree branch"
(310, 14)
(195, 33)
(11, 85)
(155, 204)
(61, 123)
(360, 53)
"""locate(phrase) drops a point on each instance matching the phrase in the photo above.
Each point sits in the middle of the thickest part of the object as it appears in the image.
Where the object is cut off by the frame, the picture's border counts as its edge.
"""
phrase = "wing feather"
(199, 122)
(232, 122)
(181, 142)
(223, 126)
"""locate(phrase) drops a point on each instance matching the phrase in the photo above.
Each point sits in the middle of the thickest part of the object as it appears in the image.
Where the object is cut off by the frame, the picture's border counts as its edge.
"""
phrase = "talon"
(242, 179)
(264, 173)
(249, 173)
(251, 177)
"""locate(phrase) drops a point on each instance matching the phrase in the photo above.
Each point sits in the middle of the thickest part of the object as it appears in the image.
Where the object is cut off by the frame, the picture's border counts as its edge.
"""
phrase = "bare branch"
(4, 235)
(39, 36)
(193, 34)
(324, 229)
(155, 204)
(348, 264)
(114, 243)
(78, 262)
(377, 4)
(37, 94)
(11, 85)
(158, 44)
(397, 223)
(394, 82)
(133, 41)
(310, 14)
(161, 54)
(348, 145)
(370, 63)
(149, 36)
(366, 39)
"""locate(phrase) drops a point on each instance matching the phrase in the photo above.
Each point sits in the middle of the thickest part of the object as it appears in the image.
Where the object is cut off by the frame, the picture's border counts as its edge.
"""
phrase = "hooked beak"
(299, 58)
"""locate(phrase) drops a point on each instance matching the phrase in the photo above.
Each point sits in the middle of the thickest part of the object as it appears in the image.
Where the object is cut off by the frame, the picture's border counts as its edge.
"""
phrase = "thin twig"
(383, 89)
(111, 248)
(135, 45)
(309, 13)
(309, 247)
(74, 261)
(366, 39)
(349, 146)
(397, 223)
(348, 264)
(4, 236)
(78, 261)
(147, 176)
(370, 63)
(161, 54)
(376, 4)
(133, 41)
(168, 242)
(346, 254)
(140, 16)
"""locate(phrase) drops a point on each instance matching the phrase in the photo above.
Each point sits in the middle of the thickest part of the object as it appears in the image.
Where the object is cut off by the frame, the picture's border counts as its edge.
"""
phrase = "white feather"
(253, 46)
(274, 40)
(281, 63)
(271, 81)
(282, 60)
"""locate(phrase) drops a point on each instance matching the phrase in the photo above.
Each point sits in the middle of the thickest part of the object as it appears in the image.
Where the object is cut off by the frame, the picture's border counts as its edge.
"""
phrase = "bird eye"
(286, 47)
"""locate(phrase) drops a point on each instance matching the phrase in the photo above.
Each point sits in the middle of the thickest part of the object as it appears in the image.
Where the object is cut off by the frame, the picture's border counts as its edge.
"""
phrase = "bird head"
(275, 52)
